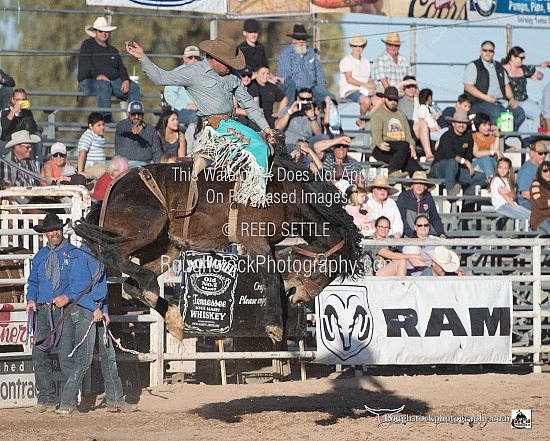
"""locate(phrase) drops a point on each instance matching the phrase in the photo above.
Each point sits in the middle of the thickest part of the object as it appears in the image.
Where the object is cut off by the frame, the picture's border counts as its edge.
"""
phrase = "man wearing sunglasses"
(21, 150)
(487, 84)
(391, 67)
(100, 68)
(177, 97)
(392, 141)
(528, 171)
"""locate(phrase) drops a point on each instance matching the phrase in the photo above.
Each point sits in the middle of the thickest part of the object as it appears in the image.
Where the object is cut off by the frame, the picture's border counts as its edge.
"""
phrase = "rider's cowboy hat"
(460, 116)
(22, 137)
(381, 181)
(445, 258)
(419, 177)
(100, 24)
(393, 38)
(51, 222)
(224, 50)
(390, 93)
(299, 33)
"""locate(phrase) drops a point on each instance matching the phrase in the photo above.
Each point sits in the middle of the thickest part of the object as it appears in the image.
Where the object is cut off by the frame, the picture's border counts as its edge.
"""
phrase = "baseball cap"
(136, 107)
(191, 51)
(251, 25)
(246, 71)
(58, 147)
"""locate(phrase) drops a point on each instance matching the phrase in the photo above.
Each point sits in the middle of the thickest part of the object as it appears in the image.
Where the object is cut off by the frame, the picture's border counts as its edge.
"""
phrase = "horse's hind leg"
(149, 291)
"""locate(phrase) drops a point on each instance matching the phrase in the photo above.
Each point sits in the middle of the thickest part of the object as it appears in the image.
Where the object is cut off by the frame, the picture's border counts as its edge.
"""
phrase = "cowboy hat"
(381, 181)
(358, 40)
(22, 137)
(390, 93)
(460, 116)
(299, 33)
(225, 51)
(393, 38)
(100, 24)
(419, 177)
(51, 222)
(445, 258)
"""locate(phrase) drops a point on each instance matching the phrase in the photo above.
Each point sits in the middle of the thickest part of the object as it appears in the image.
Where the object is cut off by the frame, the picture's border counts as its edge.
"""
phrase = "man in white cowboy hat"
(453, 159)
(299, 63)
(488, 85)
(21, 145)
(391, 67)
(355, 81)
(380, 205)
(415, 200)
(392, 141)
(100, 68)
(444, 262)
(219, 71)
(177, 97)
(49, 278)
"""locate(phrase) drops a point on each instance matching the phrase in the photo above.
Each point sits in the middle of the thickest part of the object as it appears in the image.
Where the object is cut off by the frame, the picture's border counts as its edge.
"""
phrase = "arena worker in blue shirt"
(48, 279)
(87, 275)
(212, 83)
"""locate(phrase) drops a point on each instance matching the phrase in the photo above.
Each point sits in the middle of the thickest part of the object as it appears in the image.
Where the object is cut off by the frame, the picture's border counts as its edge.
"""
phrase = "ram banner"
(452, 320)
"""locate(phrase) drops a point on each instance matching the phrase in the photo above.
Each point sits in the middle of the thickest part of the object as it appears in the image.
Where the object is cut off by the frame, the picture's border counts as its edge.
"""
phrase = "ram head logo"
(346, 324)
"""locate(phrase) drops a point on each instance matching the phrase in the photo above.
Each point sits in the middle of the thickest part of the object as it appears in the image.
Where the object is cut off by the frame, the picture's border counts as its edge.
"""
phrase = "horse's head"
(312, 267)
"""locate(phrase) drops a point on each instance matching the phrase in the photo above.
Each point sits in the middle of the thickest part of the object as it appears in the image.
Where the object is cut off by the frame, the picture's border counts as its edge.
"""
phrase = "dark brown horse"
(139, 224)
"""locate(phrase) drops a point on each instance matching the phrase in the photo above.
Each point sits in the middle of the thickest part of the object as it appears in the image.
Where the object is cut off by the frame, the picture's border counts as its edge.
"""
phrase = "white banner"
(431, 321)
(206, 6)
(534, 13)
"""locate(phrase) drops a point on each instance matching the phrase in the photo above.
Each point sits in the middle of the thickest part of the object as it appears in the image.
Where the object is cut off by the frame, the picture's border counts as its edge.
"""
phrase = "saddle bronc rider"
(212, 83)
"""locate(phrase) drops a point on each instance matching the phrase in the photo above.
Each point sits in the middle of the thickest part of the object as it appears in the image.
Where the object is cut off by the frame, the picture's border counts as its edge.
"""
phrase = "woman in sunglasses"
(415, 267)
(540, 199)
(52, 168)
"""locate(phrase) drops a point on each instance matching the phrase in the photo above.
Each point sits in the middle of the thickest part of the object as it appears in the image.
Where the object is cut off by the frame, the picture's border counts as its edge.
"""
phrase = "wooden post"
(223, 371)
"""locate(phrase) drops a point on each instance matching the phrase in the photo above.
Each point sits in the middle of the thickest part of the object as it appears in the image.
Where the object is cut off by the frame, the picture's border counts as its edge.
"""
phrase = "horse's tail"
(97, 238)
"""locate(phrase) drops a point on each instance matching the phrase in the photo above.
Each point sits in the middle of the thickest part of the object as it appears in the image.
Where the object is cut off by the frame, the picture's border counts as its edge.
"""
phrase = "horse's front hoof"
(174, 322)
(275, 333)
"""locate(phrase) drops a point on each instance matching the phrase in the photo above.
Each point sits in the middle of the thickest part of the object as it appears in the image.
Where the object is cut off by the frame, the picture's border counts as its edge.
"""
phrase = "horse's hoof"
(275, 333)
(174, 322)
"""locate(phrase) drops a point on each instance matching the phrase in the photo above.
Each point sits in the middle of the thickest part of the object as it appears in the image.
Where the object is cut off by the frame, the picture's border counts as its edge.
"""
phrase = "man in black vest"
(486, 83)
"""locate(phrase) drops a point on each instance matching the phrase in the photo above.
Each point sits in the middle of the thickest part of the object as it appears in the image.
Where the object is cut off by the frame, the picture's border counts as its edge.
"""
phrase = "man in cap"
(100, 68)
(20, 161)
(486, 83)
(453, 159)
(299, 63)
(391, 137)
(136, 140)
(379, 204)
(219, 71)
(445, 262)
(177, 96)
(48, 279)
(415, 200)
(334, 154)
(391, 67)
(528, 171)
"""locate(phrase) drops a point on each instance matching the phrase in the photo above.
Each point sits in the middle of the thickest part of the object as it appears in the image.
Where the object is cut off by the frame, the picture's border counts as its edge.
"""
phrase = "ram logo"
(346, 322)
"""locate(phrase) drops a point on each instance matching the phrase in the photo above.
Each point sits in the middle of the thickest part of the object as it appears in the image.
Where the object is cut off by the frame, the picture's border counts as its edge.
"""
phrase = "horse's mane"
(333, 213)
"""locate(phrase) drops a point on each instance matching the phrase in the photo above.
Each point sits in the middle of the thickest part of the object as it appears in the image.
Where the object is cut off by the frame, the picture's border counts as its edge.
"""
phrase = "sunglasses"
(422, 225)
(488, 50)
(410, 86)
(341, 146)
(246, 76)
(521, 58)
(27, 146)
(354, 45)
(305, 98)
(391, 100)
(393, 45)
(59, 155)
(545, 170)
(105, 32)
(541, 153)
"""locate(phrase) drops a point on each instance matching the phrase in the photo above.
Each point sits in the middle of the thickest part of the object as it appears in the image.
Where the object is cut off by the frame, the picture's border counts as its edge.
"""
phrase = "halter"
(309, 285)
(54, 335)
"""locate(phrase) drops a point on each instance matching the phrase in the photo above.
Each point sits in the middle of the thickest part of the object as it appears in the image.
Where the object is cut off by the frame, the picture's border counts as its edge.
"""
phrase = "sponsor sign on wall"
(206, 6)
(453, 321)
(513, 12)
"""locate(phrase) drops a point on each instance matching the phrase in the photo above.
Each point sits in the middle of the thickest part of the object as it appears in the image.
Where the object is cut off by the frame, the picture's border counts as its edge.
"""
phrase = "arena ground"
(327, 409)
